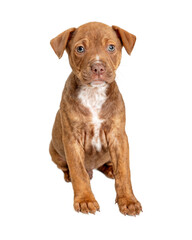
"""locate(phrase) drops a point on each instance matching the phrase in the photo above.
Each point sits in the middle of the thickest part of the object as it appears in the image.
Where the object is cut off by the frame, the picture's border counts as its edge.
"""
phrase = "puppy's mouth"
(97, 80)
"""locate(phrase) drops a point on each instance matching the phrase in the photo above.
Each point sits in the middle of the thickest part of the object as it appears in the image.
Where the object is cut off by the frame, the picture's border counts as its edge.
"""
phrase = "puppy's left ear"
(127, 39)
(59, 43)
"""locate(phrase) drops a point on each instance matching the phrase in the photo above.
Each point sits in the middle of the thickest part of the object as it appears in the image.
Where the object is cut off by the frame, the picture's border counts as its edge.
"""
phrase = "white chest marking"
(93, 98)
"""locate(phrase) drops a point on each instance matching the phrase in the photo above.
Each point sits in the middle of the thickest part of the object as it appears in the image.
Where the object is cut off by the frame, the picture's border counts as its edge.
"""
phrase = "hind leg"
(60, 162)
(107, 169)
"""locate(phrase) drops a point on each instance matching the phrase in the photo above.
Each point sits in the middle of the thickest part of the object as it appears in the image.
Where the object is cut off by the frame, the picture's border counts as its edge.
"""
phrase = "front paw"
(129, 206)
(86, 204)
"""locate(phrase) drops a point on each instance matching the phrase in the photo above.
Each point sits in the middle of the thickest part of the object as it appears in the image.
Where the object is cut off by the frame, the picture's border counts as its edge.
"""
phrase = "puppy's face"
(94, 51)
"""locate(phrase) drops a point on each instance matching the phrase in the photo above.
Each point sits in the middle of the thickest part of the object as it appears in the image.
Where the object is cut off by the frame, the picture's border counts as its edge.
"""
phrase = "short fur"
(89, 129)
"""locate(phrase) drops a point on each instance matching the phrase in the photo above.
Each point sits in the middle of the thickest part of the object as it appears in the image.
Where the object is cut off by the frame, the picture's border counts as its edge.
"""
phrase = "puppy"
(89, 129)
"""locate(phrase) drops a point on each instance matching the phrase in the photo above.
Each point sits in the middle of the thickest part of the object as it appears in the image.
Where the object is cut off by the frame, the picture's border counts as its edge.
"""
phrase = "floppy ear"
(127, 39)
(59, 43)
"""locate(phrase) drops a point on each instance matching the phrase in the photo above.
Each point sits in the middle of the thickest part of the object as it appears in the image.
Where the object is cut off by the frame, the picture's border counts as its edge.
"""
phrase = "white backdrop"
(35, 202)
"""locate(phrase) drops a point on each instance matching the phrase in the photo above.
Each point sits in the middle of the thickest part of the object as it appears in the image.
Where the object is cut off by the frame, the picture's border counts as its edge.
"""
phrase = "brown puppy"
(89, 129)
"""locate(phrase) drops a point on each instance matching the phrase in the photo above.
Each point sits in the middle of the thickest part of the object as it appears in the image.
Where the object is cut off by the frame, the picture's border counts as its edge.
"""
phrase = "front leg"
(119, 150)
(84, 200)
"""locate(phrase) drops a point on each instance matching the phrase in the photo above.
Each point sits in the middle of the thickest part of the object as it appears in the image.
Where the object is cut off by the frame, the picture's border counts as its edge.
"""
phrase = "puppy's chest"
(93, 98)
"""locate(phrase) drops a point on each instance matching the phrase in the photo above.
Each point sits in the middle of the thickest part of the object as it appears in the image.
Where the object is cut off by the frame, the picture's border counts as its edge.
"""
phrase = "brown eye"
(80, 49)
(111, 48)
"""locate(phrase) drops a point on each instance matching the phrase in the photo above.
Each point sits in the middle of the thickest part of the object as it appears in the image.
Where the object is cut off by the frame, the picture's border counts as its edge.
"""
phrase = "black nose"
(97, 68)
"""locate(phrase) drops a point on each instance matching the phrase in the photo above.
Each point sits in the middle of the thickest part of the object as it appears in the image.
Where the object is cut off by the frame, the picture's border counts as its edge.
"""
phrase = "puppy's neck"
(104, 100)
(93, 97)
(74, 86)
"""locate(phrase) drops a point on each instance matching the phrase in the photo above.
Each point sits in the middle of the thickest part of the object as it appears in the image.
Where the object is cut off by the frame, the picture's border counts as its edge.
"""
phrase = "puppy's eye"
(80, 49)
(111, 48)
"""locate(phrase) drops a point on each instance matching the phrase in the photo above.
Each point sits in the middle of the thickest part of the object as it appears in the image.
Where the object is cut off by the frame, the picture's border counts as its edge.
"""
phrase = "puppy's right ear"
(59, 43)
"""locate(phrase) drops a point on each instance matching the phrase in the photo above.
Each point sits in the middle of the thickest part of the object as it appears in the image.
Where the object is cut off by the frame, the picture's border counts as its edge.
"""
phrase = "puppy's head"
(94, 50)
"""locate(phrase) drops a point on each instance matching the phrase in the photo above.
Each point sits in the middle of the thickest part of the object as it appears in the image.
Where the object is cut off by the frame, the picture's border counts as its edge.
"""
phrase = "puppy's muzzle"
(98, 72)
